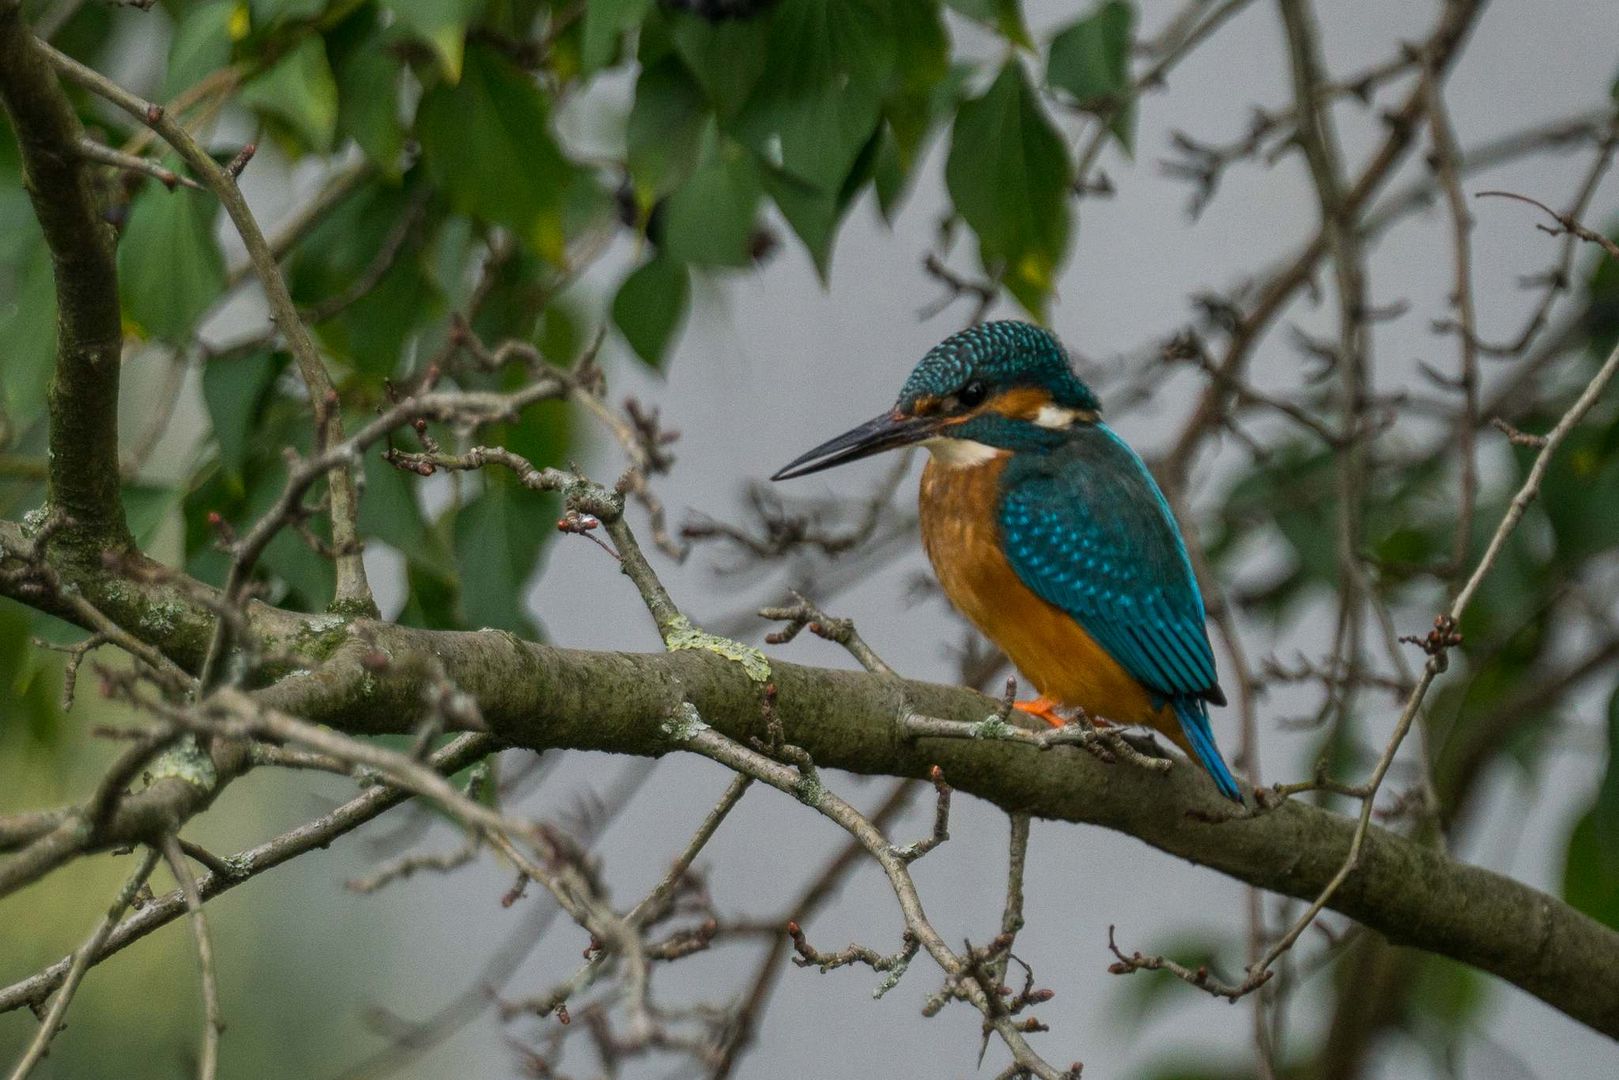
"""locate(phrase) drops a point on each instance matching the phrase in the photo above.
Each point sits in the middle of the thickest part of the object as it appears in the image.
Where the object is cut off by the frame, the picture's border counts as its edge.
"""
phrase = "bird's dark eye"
(973, 394)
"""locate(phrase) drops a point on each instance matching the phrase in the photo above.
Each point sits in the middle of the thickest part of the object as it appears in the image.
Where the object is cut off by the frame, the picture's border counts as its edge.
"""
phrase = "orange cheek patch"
(1020, 402)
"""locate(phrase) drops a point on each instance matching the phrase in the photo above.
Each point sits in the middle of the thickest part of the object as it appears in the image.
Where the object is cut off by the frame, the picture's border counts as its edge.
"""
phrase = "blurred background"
(773, 357)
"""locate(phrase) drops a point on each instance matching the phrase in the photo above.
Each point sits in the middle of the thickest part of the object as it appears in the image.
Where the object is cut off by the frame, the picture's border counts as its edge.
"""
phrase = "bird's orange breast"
(963, 541)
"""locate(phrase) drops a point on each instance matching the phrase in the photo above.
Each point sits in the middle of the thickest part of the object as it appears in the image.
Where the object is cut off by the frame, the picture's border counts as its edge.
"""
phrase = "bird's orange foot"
(1042, 707)
(1046, 709)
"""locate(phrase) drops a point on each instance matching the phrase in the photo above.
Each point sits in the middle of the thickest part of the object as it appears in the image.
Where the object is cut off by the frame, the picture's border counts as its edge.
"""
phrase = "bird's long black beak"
(889, 431)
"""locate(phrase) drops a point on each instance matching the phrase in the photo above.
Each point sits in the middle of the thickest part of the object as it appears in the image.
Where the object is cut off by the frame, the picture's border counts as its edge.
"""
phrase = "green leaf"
(544, 435)
(1447, 991)
(605, 22)
(926, 77)
(32, 690)
(497, 545)
(516, 18)
(430, 599)
(1005, 17)
(665, 131)
(890, 177)
(814, 214)
(368, 82)
(441, 24)
(1009, 175)
(561, 333)
(487, 143)
(1602, 286)
(517, 292)
(1591, 873)
(308, 580)
(828, 61)
(710, 219)
(727, 57)
(90, 30)
(234, 388)
(1584, 474)
(272, 12)
(301, 93)
(377, 326)
(147, 507)
(921, 43)
(811, 213)
(371, 332)
(912, 119)
(1091, 60)
(201, 44)
(27, 297)
(1144, 997)
(390, 513)
(448, 252)
(28, 328)
(650, 305)
(170, 270)
(296, 578)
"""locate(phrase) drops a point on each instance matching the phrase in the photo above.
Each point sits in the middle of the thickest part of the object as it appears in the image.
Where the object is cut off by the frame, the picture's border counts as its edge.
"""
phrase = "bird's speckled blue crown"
(1002, 354)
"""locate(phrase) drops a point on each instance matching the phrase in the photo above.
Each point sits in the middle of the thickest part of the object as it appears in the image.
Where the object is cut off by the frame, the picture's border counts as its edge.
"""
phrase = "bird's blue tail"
(1194, 718)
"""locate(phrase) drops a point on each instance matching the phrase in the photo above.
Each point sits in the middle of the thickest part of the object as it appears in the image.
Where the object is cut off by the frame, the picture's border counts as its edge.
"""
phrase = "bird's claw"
(1042, 707)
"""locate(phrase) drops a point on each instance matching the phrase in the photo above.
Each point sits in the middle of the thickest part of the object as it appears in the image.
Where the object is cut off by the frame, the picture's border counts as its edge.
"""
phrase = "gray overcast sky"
(771, 365)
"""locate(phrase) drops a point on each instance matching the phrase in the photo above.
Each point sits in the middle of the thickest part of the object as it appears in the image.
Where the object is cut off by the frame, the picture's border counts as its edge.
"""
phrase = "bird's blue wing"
(1087, 529)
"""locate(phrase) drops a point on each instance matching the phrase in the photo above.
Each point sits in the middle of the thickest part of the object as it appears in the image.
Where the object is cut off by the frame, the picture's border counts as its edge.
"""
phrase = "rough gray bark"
(540, 697)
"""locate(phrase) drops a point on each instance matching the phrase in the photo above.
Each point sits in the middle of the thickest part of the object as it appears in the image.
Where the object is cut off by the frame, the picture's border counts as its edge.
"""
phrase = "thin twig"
(83, 958)
(352, 589)
(1438, 662)
(106, 155)
(941, 820)
(1444, 164)
(1565, 222)
(310, 836)
(213, 1024)
(386, 255)
(654, 902)
(407, 865)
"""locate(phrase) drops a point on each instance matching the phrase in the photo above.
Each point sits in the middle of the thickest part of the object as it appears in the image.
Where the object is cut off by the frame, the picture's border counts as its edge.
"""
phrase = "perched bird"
(1048, 532)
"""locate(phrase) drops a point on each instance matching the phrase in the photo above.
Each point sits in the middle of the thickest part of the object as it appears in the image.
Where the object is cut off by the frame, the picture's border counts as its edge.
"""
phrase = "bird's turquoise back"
(1087, 529)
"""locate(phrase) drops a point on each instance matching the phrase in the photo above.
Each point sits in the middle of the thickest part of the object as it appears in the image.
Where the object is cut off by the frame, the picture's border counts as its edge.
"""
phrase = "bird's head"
(1001, 386)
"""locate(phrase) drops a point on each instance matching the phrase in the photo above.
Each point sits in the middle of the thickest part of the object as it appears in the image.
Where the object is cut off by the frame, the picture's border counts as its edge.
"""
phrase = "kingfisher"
(1047, 531)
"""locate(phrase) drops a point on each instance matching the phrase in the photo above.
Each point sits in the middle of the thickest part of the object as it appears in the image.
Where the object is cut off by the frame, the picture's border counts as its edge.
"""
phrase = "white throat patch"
(960, 453)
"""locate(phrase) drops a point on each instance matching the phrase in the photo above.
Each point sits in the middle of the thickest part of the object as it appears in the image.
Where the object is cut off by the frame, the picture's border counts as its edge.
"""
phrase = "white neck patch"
(1056, 417)
(960, 453)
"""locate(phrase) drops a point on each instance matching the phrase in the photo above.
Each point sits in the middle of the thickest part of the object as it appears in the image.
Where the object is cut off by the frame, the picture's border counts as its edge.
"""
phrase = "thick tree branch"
(541, 697)
(82, 477)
